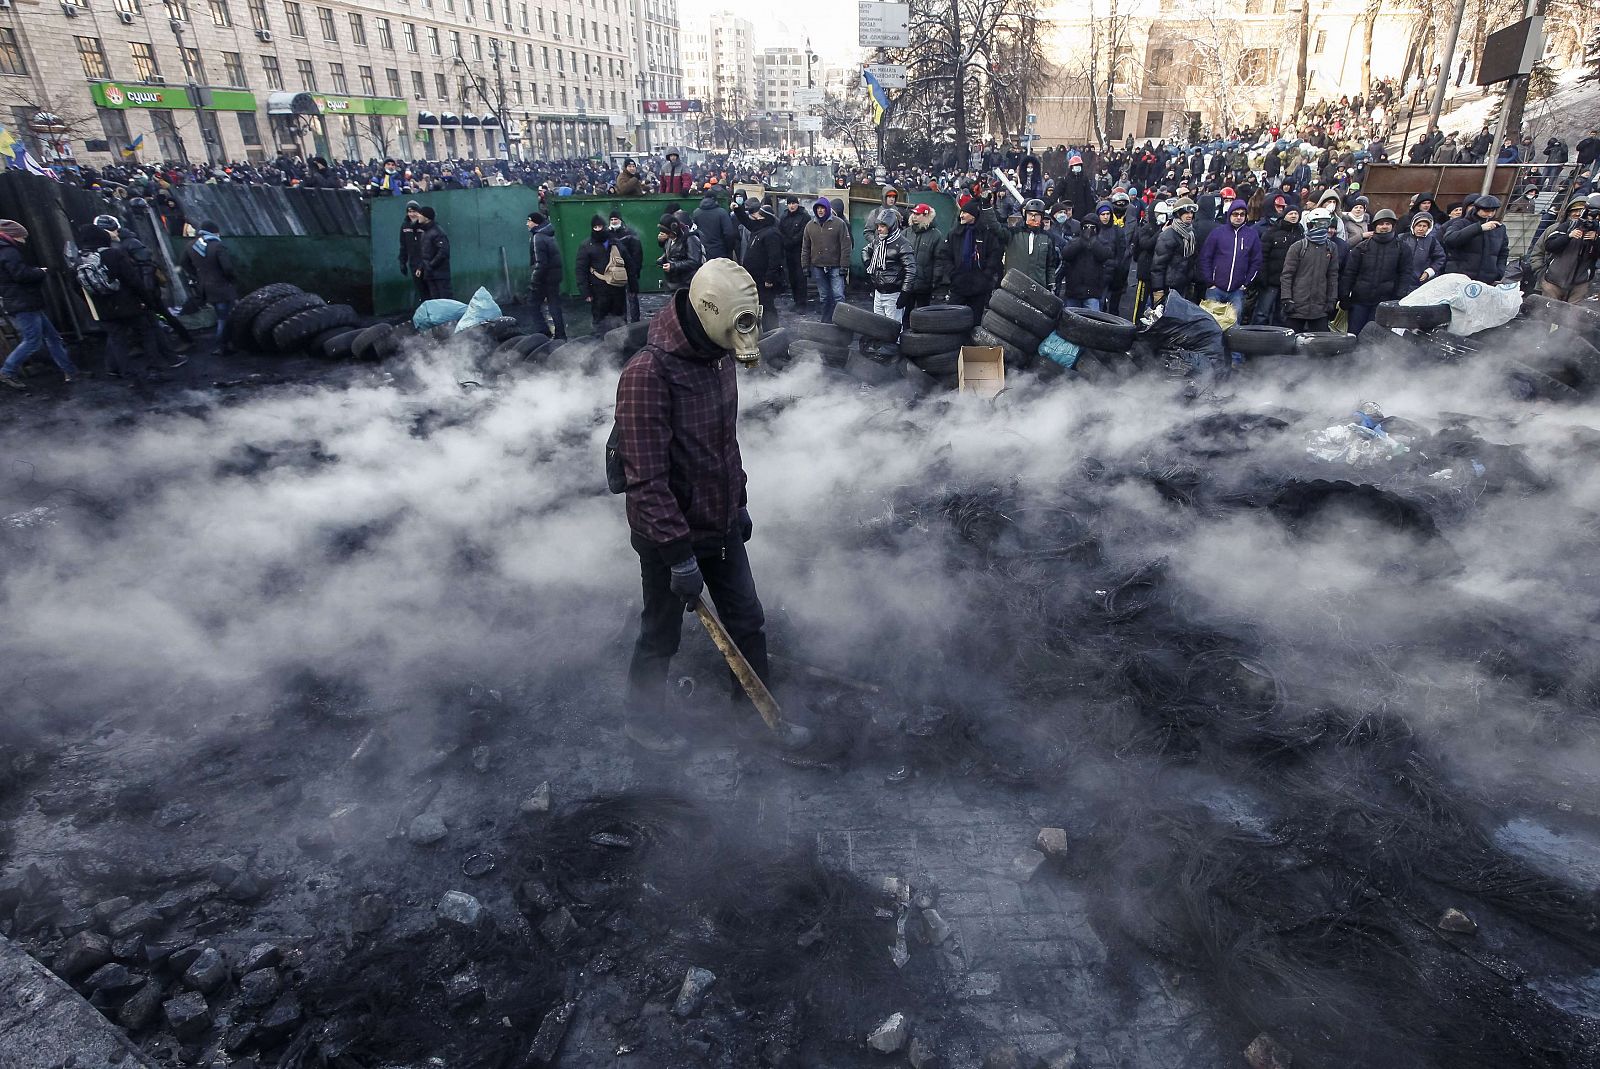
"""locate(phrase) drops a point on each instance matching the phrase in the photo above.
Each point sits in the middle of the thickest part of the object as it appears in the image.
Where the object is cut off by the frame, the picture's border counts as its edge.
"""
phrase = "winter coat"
(627, 240)
(925, 245)
(1588, 150)
(681, 257)
(826, 243)
(629, 185)
(1418, 255)
(1170, 268)
(1309, 285)
(1231, 257)
(1476, 252)
(1034, 253)
(212, 272)
(1083, 266)
(891, 268)
(1569, 261)
(1373, 272)
(970, 259)
(764, 258)
(792, 230)
(125, 303)
(409, 232)
(21, 283)
(432, 256)
(677, 432)
(675, 180)
(592, 258)
(717, 232)
(1275, 243)
(1144, 249)
(544, 259)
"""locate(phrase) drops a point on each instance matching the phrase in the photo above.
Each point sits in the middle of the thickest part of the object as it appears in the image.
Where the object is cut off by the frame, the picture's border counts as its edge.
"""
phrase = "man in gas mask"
(677, 436)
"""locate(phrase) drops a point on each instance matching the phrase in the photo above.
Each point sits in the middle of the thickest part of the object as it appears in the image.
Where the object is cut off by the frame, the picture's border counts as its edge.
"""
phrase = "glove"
(902, 300)
(687, 582)
(746, 525)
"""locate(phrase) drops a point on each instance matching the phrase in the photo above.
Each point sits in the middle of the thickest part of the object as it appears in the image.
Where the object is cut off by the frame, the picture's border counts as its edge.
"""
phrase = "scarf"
(1186, 232)
(206, 238)
(1317, 235)
(969, 248)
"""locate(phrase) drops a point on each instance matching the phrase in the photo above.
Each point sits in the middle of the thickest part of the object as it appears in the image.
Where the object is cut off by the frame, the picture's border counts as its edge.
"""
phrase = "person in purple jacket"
(1230, 259)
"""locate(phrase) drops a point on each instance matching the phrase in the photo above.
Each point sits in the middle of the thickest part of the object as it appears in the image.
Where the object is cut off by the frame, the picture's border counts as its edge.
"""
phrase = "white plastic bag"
(1474, 305)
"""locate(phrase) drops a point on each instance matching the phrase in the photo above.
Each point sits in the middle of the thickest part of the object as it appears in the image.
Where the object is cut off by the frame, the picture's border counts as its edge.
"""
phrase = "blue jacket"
(1230, 259)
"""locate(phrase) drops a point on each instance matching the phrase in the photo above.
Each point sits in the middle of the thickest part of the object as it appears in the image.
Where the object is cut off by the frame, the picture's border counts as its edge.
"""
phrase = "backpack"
(93, 276)
(616, 474)
(616, 272)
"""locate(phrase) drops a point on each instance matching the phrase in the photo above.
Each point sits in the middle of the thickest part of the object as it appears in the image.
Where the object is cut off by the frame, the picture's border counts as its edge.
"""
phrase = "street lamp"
(811, 83)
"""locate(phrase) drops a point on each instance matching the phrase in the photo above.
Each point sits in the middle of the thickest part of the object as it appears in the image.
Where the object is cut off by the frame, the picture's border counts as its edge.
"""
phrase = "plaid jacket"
(677, 410)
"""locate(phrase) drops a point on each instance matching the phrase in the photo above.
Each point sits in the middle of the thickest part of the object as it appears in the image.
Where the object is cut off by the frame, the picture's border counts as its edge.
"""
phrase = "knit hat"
(1104, 206)
(13, 231)
(597, 222)
(791, 199)
(426, 212)
(616, 213)
(1422, 217)
(412, 205)
(536, 218)
(107, 222)
(964, 203)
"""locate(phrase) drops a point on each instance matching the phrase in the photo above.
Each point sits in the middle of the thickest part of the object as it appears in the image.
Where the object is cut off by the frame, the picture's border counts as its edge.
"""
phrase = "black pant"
(606, 301)
(769, 307)
(733, 591)
(633, 301)
(420, 287)
(1307, 326)
(798, 280)
(120, 335)
(913, 300)
(438, 288)
(548, 300)
(978, 302)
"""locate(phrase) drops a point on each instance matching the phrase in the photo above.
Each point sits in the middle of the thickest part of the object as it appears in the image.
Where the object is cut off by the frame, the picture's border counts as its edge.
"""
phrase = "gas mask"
(724, 299)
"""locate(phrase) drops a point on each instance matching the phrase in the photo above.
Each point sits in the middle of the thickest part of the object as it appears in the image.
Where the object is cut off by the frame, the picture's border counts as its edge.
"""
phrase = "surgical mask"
(616, 224)
(723, 297)
(1062, 217)
(1077, 169)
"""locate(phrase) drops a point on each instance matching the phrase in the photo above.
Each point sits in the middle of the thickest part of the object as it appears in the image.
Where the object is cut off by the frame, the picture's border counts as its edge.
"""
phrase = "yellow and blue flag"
(14, 154)
(880, 99)
(133, 146)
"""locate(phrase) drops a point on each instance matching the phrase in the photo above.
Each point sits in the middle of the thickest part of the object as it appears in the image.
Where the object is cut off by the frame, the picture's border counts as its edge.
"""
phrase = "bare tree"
(847, 117)
(56, 118)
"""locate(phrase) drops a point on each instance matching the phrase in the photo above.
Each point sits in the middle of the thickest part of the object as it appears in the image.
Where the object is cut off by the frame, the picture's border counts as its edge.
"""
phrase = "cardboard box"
(981, 370)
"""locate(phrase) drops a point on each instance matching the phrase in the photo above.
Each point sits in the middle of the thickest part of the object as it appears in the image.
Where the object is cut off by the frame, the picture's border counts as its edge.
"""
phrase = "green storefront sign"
(334, 105)
(169, 97)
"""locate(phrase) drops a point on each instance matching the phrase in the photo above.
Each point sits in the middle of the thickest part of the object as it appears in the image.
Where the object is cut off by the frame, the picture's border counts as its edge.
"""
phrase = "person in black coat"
(430, 263)
(22, 298)
(1145, 237)
(1421, 255)
(764, 260)
(1373, 271)
(718, 234)
(119, 311)
(1082, 273)
(544, 276)
(627, 239)
(209, 263)
(1477, 247)
(1276, 241)
(792, 232)
(604, 299)
(1174, 267)
(410, 230)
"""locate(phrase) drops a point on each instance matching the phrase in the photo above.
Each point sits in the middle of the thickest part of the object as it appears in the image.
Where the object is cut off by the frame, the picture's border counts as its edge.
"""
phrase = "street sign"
(884, 25)
(1032, 120)
(670, 107)
(808, 124)
(889, 75)
(1511, 52)
(807, 98)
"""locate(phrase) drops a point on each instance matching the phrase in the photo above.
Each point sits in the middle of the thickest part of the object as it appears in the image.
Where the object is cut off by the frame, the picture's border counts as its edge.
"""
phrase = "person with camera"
(1477, 247)
(1568, 251)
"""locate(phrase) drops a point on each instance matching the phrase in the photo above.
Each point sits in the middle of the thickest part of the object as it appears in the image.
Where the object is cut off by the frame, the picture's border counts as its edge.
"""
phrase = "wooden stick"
(757, 690)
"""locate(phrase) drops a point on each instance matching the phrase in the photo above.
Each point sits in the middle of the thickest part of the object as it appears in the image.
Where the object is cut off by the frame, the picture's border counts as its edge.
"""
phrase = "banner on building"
(671, 107)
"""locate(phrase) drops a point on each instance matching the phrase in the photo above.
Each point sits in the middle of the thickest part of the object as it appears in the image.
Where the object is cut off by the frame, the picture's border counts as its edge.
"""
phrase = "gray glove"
(687, 582)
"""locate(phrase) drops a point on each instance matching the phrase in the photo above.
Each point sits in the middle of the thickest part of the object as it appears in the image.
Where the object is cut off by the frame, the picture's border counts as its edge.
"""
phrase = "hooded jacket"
(1231, 257)
(826, 241)
(1173, 267)
(592, 257)
(544, 259)
(674, 179)
(887, 257)
(433, 252)
(211, 266)
(1418, 255)
(21, 283)
(764, 256)
(1568, 261)
(1275, 243)
(1309, 286)
(677, 430)
(1144, 249)
(681, 256)
(1476, 252)
(717, 231)
(924, 243)
(1373, 272)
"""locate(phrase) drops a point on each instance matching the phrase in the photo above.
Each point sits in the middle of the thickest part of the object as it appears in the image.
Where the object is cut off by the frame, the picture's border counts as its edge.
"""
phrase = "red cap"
(922, 209)
(1228, 193)
(963, 200)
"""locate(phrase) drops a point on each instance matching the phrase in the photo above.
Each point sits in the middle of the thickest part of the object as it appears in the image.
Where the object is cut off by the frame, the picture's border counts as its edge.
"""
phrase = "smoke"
(1068, 576)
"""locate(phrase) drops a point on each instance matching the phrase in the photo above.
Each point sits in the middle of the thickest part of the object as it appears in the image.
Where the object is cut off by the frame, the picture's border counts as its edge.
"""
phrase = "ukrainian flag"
(880, 99)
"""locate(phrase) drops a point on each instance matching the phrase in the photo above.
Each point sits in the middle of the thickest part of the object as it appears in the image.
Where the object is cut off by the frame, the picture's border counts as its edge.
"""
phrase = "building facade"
(219, 80)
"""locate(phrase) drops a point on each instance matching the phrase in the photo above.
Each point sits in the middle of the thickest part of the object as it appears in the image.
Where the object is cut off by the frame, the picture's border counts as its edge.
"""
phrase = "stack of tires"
(1261, 341)
(1104, 341)
(824, 341)
(932, 345)
(1021, 314)
(281, 318)
(875, 362)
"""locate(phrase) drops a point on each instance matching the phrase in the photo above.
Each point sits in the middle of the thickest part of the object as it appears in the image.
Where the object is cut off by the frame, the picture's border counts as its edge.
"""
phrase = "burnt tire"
(1582, 316)
(867, 324)
(338, 346)
(502, 327)
(242, 316)
(278, 311)
(508, 346)
(1411, 316)
(1528, 383)
(297, 331)
(1020, 312)
(1016, 358)
(824, 335)
(1095, 330)
(372, 343)
(775, 345)
(921, 380)
(1010, 334)
(939, 365)
(1327, 343)
(913, 343)
(870, 371)
(532, 343)
(1260, 340)
(942, 319)
(1020, 285)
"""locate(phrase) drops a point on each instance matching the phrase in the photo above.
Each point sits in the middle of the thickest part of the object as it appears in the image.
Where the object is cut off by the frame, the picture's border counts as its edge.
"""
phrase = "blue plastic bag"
(430, 314)
(480, 309)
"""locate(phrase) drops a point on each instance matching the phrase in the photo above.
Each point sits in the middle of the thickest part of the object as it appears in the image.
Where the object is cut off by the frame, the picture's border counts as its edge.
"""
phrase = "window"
(1256, 65)
(569, 25)
(358, 29)
(145, 68)
(220, 15)
(518, 86)
(386, 35)
(441, 88)
(1322, 42)
(1155, 120)
(258, 15)
(233, 69)
(297, 25)
(339, 83)
(471, 10)
(547, 57)
(194, 68)
(308, 75)
(418, 88)
(177, 9)
(393, 77)
(128, 7)
(329, 31)
(93, 57)
(540, 15)
(248, 130)
(455, 42)
(1160, 69)
(433, 40)
(115, 124)
(1114, 125)
(409, 33)
(477, 48)
(369, 84)
(269, 64)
